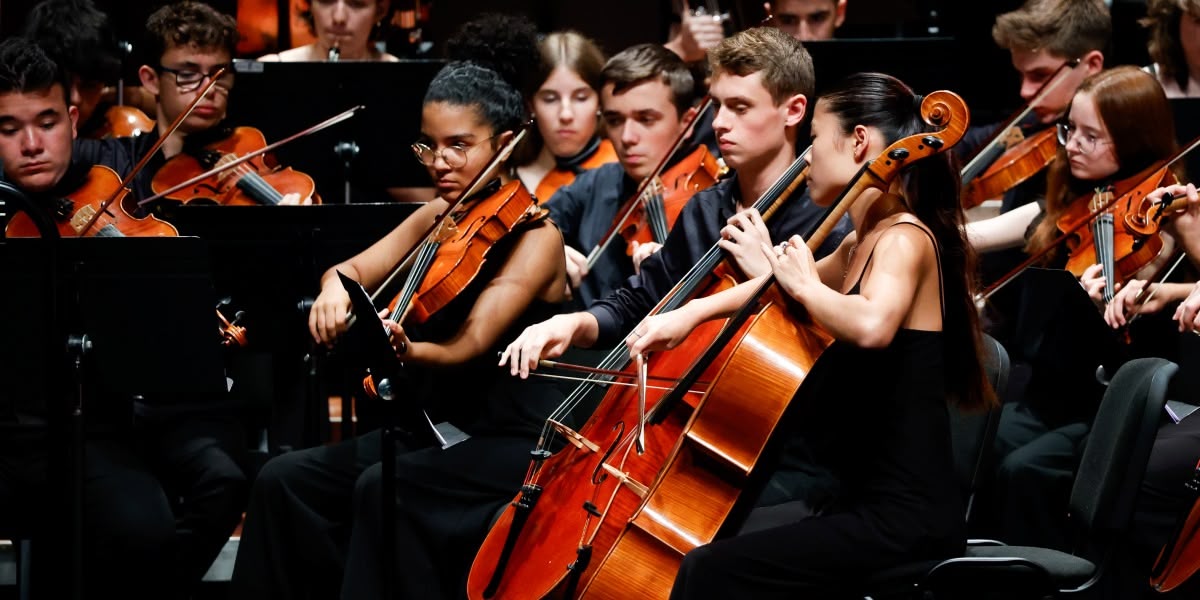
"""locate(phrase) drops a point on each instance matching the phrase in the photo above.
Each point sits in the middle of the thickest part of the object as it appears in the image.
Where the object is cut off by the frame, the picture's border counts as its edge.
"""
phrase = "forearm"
(724, 303)
(849, 318)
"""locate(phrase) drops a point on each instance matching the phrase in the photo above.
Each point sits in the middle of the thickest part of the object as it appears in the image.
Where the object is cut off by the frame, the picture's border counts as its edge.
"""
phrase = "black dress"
(871, 477)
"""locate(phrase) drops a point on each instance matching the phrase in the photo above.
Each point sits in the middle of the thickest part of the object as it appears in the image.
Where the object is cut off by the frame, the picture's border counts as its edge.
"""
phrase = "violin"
(648, 215)
(124, 121)
(660, 204)
(250, 183)
(94, 209)
(1108, 239)
(1018, 163)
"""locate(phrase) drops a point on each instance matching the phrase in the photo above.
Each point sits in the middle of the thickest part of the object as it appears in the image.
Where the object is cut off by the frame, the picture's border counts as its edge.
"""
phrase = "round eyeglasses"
(454, 156)
(1086, 142)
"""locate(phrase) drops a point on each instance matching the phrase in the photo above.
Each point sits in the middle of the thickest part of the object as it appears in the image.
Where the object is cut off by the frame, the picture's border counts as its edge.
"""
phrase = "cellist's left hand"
(793, 265)
(641, 252)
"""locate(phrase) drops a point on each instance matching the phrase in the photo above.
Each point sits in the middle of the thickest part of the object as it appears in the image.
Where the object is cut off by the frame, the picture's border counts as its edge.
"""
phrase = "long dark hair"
(931, 191)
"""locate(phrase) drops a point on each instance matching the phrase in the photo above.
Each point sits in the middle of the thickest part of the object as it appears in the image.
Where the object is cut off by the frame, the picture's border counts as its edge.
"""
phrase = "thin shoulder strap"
(937, 259)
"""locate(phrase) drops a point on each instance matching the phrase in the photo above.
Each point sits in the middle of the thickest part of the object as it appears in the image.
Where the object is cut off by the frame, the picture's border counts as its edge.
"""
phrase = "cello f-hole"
(599, 475)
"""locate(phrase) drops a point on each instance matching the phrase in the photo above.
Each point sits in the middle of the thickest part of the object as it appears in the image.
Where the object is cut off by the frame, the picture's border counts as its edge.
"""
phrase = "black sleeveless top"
(870, 435)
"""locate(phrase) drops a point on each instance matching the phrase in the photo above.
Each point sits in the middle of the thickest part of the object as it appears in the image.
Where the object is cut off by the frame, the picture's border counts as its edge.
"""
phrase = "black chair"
(1102, 499)
(972, 435)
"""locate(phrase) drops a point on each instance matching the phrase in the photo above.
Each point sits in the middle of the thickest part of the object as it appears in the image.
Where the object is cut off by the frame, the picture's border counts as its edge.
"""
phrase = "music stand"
(135, 316)
(268, 260)
(283, 98)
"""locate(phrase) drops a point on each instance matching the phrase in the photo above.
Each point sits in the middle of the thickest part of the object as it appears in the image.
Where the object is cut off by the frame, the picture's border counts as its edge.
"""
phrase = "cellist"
(869, 482)
(763, 80)
(163, 492)
(315, 512)
(646, 99)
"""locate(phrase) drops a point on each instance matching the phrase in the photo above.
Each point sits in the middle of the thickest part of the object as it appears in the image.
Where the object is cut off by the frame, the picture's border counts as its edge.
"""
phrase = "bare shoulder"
(906, 235)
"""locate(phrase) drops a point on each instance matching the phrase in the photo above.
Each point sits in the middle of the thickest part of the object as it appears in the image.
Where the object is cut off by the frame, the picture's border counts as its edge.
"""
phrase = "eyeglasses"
(189, 81)
(1086, 142)
(455, 156)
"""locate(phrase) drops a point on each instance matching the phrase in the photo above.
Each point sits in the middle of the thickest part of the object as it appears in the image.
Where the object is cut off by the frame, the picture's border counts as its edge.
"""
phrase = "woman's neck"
(873, 206)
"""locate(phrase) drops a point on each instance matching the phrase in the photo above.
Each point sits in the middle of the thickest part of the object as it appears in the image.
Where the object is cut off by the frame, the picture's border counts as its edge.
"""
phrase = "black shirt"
(584, 211)
(696, 231)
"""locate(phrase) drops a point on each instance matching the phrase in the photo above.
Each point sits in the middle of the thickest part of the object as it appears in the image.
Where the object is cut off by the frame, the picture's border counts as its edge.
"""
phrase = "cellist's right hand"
(548, 339)
(327, 318)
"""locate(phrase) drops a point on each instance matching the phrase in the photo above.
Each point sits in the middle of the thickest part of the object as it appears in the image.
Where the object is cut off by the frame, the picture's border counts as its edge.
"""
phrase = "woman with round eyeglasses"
(314, 521)
(344, 30)
(1118, 124)
(565, 108)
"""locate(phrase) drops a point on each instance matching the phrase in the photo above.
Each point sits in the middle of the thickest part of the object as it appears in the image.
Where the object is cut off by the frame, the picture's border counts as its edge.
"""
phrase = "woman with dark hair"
(316, 512)
(1175, 45)
(565, 108)
(344, 30)
(869, 482)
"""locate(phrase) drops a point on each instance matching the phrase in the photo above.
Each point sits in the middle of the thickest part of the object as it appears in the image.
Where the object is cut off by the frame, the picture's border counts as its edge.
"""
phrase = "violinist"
(646, 97)
(1119, 124)
(763, 80)
(1042, 37)
(164, 492)
(869, 482)
(308, 505)
(186, 42)
(344, 30)
(566, 106)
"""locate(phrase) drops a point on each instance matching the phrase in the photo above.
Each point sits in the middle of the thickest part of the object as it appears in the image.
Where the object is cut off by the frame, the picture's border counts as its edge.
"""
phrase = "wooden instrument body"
(101, 184)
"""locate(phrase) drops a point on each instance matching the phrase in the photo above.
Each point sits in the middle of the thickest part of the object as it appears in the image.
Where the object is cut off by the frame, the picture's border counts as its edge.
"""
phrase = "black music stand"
(362, 156)
(136, 318)
(268, 260)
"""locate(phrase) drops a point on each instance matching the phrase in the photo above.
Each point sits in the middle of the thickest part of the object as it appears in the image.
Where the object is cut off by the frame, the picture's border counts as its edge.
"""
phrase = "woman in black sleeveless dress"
(867, 479)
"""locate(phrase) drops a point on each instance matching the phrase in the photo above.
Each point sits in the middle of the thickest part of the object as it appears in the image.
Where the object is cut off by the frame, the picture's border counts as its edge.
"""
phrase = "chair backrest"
(1118, 447)
(972, 433)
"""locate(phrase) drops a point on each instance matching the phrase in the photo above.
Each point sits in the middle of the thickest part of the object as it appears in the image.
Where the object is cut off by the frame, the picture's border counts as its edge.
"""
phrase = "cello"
(646, 510)
(528, 551)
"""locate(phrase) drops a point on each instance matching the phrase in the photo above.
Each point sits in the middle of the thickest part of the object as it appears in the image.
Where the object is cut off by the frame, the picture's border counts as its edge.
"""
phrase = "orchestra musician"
(344, 30)
(806, 20)
(566, 106)
(1041, 37)
(646, 99)
(315, 513)
(869, 480)
(1119, 123)
(1175, 45)
(163, 491)
(764, 80)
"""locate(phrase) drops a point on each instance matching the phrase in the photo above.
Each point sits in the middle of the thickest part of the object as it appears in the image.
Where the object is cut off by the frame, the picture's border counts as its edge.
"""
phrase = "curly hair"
(189, 23)
(506, 44)
(468, 84)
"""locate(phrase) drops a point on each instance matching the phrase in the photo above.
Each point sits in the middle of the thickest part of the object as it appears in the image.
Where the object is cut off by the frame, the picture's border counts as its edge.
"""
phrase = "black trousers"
(159, 504)
(313, 527)
(1027, 500)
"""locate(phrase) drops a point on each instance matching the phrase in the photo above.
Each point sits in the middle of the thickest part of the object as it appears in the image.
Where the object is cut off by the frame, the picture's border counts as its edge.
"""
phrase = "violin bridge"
(634, 486)
(573, 436)
(82, 217)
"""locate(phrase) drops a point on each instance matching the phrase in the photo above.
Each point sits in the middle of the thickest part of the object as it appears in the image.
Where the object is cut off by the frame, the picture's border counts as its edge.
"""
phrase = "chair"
(1100, 505)
(971, 437)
